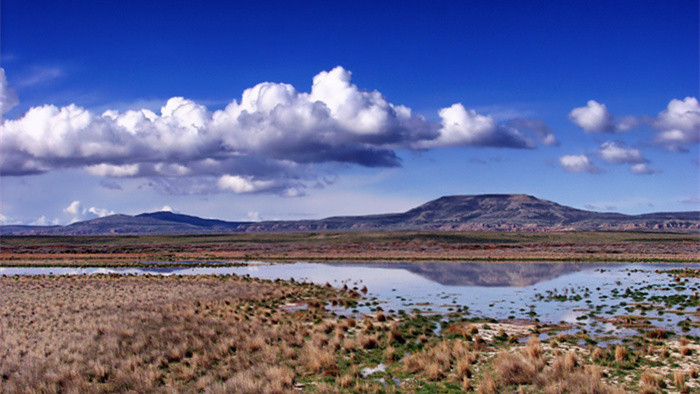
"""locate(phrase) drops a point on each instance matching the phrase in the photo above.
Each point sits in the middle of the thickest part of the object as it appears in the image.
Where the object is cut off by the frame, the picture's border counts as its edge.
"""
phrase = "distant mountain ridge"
(487, 212)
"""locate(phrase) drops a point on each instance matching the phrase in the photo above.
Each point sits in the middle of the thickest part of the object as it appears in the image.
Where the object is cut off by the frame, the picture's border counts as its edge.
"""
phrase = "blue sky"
(589, 104)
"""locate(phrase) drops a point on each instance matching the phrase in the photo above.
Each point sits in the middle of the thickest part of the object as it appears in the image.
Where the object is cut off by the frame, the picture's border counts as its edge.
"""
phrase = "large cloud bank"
(268, 141)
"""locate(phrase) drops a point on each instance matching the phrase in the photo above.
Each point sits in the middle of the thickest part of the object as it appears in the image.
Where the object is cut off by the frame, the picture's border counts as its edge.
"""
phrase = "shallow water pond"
(614, 299)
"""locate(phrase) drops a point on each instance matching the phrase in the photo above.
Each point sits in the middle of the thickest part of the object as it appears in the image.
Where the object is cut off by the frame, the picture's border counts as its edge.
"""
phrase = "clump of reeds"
(345, 381)
(650, 382)
(390, 353)
(679, 381)
(464, 368)
(367, 341)
(597, 353)
(621, 353)
(513, 369)
(657, 333)
(488, 385)
(319, 360)
(665, 352)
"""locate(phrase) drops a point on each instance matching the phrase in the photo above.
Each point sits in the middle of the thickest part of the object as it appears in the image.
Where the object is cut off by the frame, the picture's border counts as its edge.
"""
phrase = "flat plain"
(348, 246)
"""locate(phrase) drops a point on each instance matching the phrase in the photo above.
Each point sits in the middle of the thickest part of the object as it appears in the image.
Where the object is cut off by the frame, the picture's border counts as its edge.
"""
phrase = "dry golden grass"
(138, 333)
(367, 341)
(621, 353)
(534, 348)
(390, 354)
(346, 381)
(533, 369)
(466, 384)
(488, 385)
(678, 378)
(319, 360)
(464, 368)
(650, 380)
(513, 369)
(395, 336)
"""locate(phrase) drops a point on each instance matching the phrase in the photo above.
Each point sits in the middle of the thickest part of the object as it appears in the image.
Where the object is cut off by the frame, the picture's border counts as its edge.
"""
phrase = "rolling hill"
(488, 212)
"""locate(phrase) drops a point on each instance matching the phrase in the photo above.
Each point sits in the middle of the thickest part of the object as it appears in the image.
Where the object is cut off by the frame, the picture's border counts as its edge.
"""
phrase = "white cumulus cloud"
(679, 124)
(73, 208)
(463, 127)
(100, 212)
(578, 163)
(617, 152)
(594, 117)
(76, 212)
(239, 184)
(111, 170)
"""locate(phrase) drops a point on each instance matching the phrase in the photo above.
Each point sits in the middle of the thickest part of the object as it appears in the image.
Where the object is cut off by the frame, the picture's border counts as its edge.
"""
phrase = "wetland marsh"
(609, 300)
(71, 323)
(347, 326)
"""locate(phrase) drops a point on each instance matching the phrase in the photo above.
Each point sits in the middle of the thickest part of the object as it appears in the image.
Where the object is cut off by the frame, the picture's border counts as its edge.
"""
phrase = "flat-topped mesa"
(511, 208)
(478, 201)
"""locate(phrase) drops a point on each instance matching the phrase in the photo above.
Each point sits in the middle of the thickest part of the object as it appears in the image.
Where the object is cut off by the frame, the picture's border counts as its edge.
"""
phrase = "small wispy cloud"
(38, 75)
(44, 221)
(542, 130)
(110, 184)
(690, 200)
(8, 96)
(597, 207)
(643, 169)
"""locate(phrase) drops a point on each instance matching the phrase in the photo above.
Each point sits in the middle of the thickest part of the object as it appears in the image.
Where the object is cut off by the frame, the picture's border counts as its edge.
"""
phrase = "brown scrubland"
(106, 333)
(366, 246)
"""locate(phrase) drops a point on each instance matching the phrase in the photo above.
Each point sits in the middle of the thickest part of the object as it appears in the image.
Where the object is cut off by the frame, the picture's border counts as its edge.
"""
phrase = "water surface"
(575, 293)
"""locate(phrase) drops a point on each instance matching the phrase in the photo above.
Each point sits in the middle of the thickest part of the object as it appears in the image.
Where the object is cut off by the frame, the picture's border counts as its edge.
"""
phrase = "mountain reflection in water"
(482, 274)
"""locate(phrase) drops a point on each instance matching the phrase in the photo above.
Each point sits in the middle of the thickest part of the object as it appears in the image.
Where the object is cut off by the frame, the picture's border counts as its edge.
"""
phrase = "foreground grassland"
(365, 246)
(229, 334)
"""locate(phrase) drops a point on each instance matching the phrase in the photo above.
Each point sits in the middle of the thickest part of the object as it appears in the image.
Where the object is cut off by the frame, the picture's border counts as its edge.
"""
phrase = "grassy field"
(231, 334)
(366, 246)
